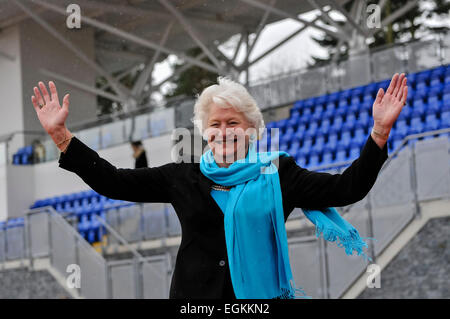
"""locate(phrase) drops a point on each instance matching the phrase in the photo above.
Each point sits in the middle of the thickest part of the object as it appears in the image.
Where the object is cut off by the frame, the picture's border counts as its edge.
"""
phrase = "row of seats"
(84, 206)
(24, 156)
(333, 128)
(12, 223)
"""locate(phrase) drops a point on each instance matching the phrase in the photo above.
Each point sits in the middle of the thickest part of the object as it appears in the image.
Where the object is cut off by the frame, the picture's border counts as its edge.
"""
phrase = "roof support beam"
(147, 72)
(130, 37)
(192, 32)
(411, 4)
(261, 26)
(119, 88)
(283, 14)
(326, 18)
(347, 16)
(82, 86)
(274, 47)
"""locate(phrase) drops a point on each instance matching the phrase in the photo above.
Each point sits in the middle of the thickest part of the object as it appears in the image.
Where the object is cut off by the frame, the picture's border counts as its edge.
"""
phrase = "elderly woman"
(232, 206)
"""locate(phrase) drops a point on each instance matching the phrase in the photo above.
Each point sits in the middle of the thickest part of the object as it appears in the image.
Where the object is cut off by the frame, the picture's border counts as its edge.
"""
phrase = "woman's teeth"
(227, 141)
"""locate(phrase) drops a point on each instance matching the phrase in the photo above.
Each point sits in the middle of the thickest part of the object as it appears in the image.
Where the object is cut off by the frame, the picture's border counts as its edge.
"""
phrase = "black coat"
(201, 268)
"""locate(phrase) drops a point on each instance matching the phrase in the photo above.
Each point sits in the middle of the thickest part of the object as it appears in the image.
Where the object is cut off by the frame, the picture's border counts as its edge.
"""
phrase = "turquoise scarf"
(255, 231)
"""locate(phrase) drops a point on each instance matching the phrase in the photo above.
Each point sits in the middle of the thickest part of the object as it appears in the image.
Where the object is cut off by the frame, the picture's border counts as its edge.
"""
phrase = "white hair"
(227, 93)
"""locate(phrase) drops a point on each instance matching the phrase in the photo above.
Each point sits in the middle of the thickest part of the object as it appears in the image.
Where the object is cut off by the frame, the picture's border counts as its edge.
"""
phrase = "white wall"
(10, 82)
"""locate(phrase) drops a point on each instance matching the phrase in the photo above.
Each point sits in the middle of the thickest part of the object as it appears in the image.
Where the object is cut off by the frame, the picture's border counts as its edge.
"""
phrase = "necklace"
(220, 188)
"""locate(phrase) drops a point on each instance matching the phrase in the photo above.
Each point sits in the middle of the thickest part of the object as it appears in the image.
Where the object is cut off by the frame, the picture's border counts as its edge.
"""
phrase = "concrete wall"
(11, 82)
(24, 284)
(421, 269)
(39, 49)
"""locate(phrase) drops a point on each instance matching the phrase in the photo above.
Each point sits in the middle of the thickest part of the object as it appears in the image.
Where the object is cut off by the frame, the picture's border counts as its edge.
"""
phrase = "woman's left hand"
(387, 107)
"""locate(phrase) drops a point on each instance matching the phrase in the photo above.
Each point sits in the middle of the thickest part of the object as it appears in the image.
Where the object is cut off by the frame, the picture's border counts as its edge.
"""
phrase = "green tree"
(193, 80)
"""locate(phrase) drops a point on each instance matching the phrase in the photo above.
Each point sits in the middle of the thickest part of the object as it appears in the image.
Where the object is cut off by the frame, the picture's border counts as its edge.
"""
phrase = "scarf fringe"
(350, 241)
(293, 293)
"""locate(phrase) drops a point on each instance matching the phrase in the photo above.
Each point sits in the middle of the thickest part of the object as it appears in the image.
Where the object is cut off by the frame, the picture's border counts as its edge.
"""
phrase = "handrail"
(270, 78)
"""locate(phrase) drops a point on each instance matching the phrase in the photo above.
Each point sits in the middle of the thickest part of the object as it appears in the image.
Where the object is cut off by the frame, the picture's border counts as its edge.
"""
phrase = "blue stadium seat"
(324, 126)
(383, 84)
(298, 105)
(321, 100)
(421, 85)
(293, 122)
(287, 136)
(294, 113)
(307, 144)
(364, 118)
(337, 123)
(313, 127)
(445, 116)
(333, 97)
(419, 108)
(370, 90)
(327, 156)
(345, 95)
(411, 79)
(423, 76)
(294, 147)
(341, 111)
(342, 104)
(431, 121)
(317, 115)
(353, 109)
(355, 150)
(438, 73)
(346, 137)
(341, 154)
(360, 135)
(435, 90)
(309, 103)
(319, 142)
(314, 158)
(301, 160)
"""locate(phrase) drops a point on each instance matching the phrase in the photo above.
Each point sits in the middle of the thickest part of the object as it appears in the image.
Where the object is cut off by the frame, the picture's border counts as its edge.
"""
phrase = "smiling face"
(227, 132)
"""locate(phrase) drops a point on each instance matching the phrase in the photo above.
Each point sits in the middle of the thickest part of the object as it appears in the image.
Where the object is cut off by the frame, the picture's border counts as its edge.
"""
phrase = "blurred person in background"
(139, 154)
(38, 152)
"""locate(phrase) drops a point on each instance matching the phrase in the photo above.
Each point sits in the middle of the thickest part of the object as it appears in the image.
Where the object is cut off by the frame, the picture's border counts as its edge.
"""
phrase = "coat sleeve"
(308, 189)
(136, 185)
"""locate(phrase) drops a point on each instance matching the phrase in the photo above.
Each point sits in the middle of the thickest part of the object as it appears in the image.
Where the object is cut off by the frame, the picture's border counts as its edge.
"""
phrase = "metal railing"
(47, 234)
(415, 173)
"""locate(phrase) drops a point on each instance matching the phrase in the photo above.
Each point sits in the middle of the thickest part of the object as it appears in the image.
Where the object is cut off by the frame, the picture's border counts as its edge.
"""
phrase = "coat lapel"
(204, 185)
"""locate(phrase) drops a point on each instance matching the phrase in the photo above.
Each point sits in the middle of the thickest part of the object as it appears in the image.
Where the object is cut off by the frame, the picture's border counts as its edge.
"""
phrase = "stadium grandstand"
(49, 219)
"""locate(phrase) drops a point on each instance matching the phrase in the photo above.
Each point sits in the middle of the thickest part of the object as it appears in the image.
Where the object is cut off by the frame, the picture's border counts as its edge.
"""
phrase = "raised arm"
(137, 185)
(307, 189)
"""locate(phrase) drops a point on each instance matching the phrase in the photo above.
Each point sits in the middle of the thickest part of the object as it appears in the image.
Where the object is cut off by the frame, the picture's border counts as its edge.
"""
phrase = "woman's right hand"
(51, 115)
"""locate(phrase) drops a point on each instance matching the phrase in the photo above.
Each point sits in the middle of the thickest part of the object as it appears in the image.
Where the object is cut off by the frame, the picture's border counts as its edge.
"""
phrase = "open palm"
(51, 115)
(387, 106)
